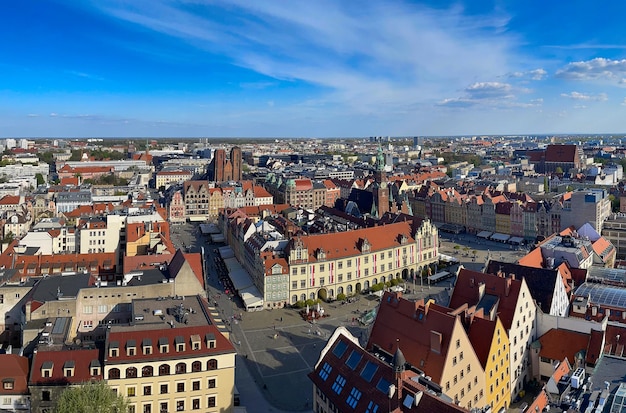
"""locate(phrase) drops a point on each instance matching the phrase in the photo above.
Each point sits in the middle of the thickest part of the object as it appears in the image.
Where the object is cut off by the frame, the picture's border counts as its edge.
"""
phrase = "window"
(340, 265)
(458, 343)
(180, 405)
(181, 368)
(45, 395)
(163, 407)
(461, 356)
(196, 366)
(114, 374)
(7, 385)
(302, 270)
(147, 371)
(447, 385)
(322, 267)
(325, 371)
(454, 361)
(131, 372)
(349, 263)
(195, 385)
(211, 364)
(294, 284)
(353, 397)
(340, 381)
(164, 369)
(163, 388)
(147, 390)
(462, 374)
(302, 283)
(455, 379)
(211, 383)
(180, 387)
(130, 391)
(147, 408)
(211, 401)
(195, 404)
(372, 407)
(468, 368)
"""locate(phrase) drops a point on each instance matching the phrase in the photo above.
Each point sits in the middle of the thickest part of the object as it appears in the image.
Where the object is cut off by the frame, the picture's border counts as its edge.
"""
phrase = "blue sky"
(286, 68)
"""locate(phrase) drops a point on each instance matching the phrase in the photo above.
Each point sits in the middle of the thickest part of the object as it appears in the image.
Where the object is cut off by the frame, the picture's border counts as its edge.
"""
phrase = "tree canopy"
(95, 397)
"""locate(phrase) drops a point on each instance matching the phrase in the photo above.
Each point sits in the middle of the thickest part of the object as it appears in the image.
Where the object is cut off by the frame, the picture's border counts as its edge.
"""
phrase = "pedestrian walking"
(281, 319)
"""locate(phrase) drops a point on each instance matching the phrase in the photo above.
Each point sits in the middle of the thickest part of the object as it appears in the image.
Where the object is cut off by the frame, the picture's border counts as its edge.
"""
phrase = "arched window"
(366, 285)
(181, 368)
(294, 298)
(114, 374)
(211, 364)
(196, 366)
(164, 369)
(131, 372)
(339, 290)
(303, 297)
(349, 289)
(312, 296)
(147, 371)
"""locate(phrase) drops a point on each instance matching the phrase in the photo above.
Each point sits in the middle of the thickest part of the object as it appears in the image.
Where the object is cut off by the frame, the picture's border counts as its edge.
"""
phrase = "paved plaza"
(278, 348)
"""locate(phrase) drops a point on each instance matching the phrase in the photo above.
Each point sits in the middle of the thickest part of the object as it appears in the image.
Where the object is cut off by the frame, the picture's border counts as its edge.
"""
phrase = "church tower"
(380, 189)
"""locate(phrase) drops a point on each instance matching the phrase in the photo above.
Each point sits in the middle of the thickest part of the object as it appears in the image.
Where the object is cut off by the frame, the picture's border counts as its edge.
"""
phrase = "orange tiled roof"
(14, 367)
(10, 200)
(348, 243)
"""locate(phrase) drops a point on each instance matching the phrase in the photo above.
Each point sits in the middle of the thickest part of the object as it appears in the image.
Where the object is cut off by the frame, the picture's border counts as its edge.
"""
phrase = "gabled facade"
(14, 392)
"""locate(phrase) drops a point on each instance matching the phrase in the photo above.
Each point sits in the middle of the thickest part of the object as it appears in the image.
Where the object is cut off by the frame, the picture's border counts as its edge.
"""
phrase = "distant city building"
(223, 169)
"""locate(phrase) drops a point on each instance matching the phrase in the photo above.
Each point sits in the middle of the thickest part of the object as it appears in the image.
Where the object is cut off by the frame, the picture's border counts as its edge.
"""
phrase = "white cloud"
(537, 74)
(624, 102)
(600, 97)
(53, 115)
(594, 69)
(32, 115)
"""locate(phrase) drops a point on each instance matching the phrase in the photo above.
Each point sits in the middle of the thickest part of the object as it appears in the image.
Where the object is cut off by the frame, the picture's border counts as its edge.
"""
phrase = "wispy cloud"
(83, 75)
(384, 56)
(490, 94)
(600, 97)
(537, 74)
(32, 115)
(596, 69)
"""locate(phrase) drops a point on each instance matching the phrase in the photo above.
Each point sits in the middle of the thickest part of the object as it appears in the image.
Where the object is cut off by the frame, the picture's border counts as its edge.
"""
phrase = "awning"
(484, 234)
(447, 258)
(500, 237)
(252, 299)
(238, 275)
(516, 240)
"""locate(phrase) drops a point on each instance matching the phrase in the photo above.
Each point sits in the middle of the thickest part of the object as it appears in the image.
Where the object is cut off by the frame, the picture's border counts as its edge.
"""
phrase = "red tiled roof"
(560, 344)
(562, 369)
(10, 200)
(541, 402)
(396, 322)
(303, 184)
(81, 359)
(480, 333)
(532, 259)
(14, 367)
(466, 291)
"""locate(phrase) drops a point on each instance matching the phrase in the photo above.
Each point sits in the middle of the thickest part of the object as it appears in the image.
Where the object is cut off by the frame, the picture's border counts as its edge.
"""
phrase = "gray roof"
(48, 288)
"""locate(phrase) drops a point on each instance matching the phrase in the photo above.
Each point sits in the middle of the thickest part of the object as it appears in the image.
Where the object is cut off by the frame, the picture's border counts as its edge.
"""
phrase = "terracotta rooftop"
(560, 344)
(80, 360)
(14, 367)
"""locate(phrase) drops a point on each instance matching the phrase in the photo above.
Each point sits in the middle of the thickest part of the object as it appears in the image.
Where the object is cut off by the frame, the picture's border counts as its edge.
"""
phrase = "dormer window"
(179, 342)
(366, 246)
(210, 340)
(195, 342)
(95, 368)
(8, 384)
(114, 349)
(163, 345)
(146, 346)
(68, 368)
(403, 239)
(321, 254)
(131, 348)
(46, 369)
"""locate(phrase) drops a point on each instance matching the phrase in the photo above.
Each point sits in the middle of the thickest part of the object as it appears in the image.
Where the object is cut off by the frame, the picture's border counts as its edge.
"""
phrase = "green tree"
(558, 170)
(39, 178)
(546, 187)
(95, 397)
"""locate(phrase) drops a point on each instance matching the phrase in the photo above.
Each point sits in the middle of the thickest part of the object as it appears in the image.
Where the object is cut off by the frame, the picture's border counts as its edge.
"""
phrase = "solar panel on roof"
(383, 385)
(59, 325)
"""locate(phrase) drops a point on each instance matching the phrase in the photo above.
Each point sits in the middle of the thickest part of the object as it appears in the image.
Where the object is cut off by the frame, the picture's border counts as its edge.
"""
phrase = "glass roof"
(603, 294)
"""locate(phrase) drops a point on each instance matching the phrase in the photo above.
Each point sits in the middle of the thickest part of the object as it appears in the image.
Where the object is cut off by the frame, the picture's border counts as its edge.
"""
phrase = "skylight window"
(368, 371)
(325, 371)
(371, 407)
(354, 359)
(354, 397)
(383, 385)
(340, 349)
(340, 381)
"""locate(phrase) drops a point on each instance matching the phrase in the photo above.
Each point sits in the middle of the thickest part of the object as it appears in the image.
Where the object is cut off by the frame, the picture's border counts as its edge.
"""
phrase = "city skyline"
(310, 69)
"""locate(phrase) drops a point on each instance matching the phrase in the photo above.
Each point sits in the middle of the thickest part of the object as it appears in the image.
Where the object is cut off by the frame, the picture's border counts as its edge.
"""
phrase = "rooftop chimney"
(507, 286)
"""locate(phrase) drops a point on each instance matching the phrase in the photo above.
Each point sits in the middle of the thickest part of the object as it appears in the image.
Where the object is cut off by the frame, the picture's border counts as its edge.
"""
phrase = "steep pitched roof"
(481, 331)
(466, 291)
(403, 321)
(14, 367)
(561, 153)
